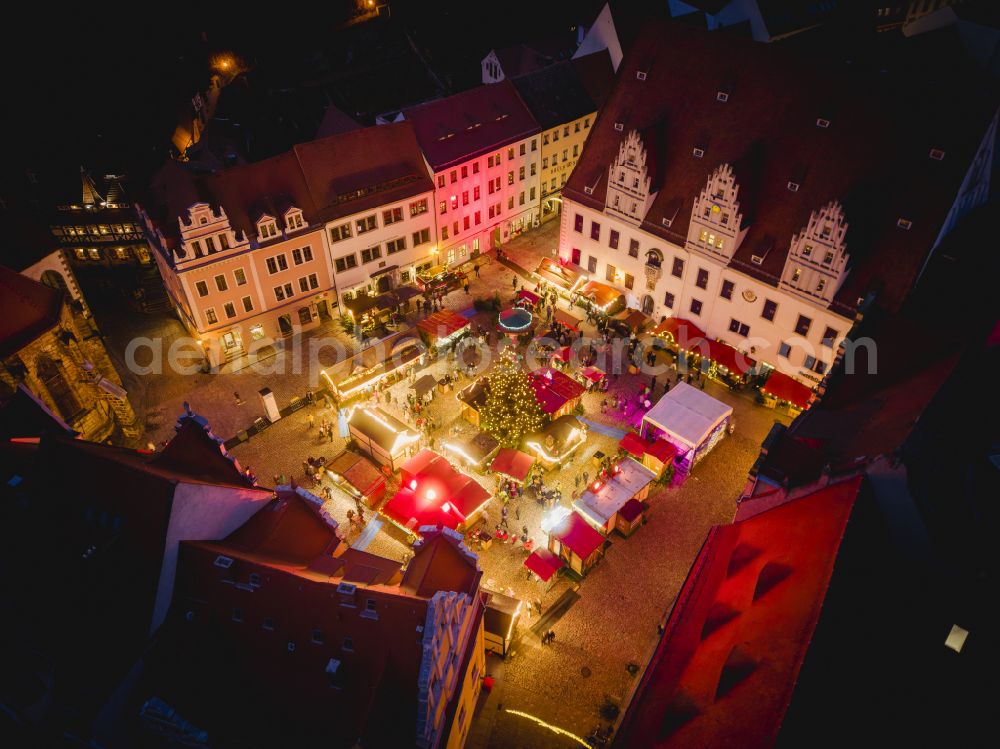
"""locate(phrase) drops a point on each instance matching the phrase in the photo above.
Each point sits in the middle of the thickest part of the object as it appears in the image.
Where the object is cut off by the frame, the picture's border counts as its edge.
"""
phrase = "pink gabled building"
(483, 147)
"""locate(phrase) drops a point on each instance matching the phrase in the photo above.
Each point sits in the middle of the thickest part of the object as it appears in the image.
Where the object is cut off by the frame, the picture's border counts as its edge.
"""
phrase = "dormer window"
(294, 220)
(829, 258)
(807, 251)
(823, 123)
(792, 186)
(619, 126)
(203, 221)
(904, 223)
(641, 75)
(721, 96)
(937, 154)
(698, 153)
(267, 229)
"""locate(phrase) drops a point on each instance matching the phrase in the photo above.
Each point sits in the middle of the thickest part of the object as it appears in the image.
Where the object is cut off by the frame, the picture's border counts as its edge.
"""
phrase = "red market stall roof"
(663, 450)
(683, 332)
(560, 274)
(633, 444)
(726, 356)
(634, 318)
(513, 463)
(528, 295)
(592, 373)
(554, 389)
(544, 564)
(568, 319)
(359, 472)
(434, 492)
(631, 510)
(577, 535)
(601, 294)
(786, 388)
(563, 354)
(443, 324)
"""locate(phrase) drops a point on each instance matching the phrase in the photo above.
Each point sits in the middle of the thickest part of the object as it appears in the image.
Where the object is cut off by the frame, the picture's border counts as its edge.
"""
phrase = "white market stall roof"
(687, 414)
(601, 504)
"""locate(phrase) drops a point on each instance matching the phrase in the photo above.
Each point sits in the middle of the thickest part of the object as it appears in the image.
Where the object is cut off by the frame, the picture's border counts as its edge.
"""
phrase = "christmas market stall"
(556, 442)
(433, 492)
(728, 365)
(388, 440)
(526, 299)
(358, 477)
(692, 421)
(443, 327)
(604, 498)
(657, 455)
(567, 319)
(572, 539)
(543, 565)
(679, 334)
(424, 387)
(499, 621)
(472, 398)
(780, 389)
(593, 378)
(602, 299)
(513, 464)
(386, 361)
(556, 392)
(474, 452)
(562, 277)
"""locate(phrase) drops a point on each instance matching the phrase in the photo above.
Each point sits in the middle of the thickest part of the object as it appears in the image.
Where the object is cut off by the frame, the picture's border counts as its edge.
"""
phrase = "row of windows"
(210, 244)
(221, 283)
(374, 252)
(229, 308)
(555, 159)
(278, 263)
(95, 230)
(369, 223)
(565, 131)
(117, 253)
(491, 162)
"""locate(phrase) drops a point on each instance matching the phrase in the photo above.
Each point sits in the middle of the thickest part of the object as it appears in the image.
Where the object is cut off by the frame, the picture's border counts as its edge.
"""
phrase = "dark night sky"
(103, 93)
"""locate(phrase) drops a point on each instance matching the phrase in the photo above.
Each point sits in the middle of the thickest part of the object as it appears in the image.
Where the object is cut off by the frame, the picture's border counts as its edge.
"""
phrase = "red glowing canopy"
(528, 295)
(633, 444)
(442, 324)
(662, 450)
(434, 492)
(563, 354)
(513, 463)
(683, 332)
(786, 388)
(544, 564)
(554, 389)
(576, 535)
(592, 373)
(726, 356)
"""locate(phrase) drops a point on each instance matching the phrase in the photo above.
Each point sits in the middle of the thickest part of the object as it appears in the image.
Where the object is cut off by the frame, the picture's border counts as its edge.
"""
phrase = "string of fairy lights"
(511, 410)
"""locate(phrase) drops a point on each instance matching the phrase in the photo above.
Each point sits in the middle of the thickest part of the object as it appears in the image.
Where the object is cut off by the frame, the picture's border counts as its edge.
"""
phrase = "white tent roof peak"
(687, 414)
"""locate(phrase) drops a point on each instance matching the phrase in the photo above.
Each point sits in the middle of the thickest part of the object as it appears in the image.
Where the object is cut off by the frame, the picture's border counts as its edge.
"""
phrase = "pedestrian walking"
(312, 421)
(329, 433)
(476, 269)
(466, 287)
(513, 282)
(576, 480)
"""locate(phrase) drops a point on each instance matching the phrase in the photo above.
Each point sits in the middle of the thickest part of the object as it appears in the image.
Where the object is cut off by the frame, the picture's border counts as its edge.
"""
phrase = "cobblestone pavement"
(622, 600)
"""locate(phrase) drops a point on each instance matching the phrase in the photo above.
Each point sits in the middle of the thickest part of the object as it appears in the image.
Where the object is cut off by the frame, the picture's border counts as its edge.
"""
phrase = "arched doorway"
(384, 283)
(54, 280)
(647, 305)
(285, 325)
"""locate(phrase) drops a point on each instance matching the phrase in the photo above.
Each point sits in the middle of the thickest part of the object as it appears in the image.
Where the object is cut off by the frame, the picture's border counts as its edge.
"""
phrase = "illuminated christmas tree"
(511, 410)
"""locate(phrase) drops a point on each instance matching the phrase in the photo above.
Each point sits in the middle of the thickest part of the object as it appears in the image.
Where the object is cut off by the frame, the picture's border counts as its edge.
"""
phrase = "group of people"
(326, 428)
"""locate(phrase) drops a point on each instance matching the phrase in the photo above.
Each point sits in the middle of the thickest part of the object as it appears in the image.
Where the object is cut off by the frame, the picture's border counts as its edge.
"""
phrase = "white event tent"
(691, 420)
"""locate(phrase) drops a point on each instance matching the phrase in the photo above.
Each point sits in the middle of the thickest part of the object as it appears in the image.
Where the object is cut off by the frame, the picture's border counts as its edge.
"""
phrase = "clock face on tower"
(749, 296)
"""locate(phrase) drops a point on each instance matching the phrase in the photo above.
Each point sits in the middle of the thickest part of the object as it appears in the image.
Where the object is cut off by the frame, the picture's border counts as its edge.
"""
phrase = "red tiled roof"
(471, 123)
(576, 535)
(442, 324)
(543, 563)
(513, 463)
(786, 388)
(596, 74)
(554, 389)
(873, 157)
(724, 670)
(195, 452)
(29, 310)
(441, 562)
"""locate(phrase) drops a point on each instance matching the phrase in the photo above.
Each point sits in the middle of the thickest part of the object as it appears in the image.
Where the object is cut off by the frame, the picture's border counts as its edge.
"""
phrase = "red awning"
(563, 354)
(529, 295)
(576, 535)
(786, 388)
(566, 318)
(631, 510)
(442, 324)
(633, 444)
(726, 356)
(513, 463)
(544, 564)
(592, 373)
(682, 332)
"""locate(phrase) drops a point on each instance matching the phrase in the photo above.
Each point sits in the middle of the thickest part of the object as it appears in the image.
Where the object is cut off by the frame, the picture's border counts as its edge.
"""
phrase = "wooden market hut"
(604, 498)
(572, 539)
(472, 398)
(544, 565)
(474, 452)
(556, 392)
(388, 440)
(388, 359)
(513, 464)
(499, 621)
(357, 476)
(557, 441)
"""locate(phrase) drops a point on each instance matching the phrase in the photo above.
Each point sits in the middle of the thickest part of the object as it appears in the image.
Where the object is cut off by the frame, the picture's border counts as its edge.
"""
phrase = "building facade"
(260, 252)
(483, 147)
(48, 345)
(751, 235)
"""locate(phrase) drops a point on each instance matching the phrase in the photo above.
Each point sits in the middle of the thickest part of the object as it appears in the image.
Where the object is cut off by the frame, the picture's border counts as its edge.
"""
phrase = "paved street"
(612, 625)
